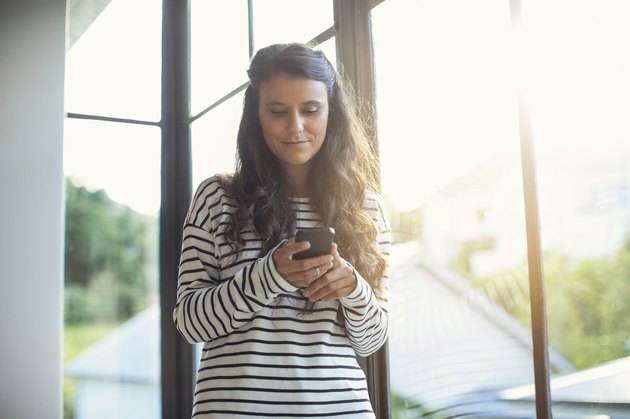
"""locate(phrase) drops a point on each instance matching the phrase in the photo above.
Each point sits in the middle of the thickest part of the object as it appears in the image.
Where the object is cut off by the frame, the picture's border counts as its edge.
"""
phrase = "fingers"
(291, 247)
(300, 273)
(336, 284)
(336, 258)
(304, 277)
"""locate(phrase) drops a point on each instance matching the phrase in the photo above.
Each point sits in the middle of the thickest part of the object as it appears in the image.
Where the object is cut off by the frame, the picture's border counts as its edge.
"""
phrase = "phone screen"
(320, 239)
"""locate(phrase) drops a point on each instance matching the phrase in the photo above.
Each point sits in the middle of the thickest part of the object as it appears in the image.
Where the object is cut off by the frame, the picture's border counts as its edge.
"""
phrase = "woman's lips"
(295, 143)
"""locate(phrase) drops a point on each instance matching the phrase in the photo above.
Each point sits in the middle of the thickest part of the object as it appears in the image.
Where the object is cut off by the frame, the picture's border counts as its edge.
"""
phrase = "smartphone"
(320, 239)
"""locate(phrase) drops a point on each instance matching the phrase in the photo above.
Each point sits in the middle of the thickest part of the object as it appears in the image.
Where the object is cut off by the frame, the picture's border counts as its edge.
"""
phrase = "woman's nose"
(296, 124)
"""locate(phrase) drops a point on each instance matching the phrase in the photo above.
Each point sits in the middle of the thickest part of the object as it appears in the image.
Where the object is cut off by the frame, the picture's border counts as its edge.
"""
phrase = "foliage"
(107, 257)
(588, 319)
(69, 392)
(76, 338)
(586, 302)
(403, 408)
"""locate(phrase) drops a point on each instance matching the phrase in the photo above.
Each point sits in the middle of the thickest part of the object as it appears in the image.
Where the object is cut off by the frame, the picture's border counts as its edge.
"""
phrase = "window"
(112, 165)
(219, 68)
(448, 138)
(112, 159)
(580, 101)
(450, 79)
(447, 77)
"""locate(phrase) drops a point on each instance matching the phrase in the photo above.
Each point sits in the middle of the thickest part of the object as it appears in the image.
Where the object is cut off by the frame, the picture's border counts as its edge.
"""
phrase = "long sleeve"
(366, 310)
(208, 307)
(263, 355)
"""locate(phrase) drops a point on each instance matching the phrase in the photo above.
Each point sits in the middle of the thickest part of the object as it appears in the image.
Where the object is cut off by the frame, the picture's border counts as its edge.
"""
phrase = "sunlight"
(449, 102)
(436, 121)
(124, 160)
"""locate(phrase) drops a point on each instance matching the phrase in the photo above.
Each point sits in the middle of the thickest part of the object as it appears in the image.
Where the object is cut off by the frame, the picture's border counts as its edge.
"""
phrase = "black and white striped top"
(263, 356)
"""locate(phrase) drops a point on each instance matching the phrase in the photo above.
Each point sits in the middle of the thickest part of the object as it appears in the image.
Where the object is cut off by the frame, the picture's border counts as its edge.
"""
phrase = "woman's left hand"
(338, 282)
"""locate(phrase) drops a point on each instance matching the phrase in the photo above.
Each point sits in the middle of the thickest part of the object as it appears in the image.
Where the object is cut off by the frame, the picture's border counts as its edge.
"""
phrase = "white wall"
(32, 52)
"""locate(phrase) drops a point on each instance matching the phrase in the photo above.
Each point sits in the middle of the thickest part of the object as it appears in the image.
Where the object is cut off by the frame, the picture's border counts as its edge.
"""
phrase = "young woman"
(281, 335)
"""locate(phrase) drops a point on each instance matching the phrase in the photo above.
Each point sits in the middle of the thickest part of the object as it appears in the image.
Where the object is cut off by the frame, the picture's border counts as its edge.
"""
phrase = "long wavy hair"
(343, 171)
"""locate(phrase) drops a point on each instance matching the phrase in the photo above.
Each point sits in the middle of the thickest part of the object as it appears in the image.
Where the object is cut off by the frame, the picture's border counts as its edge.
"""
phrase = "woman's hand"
(339, 282)
(300, 273)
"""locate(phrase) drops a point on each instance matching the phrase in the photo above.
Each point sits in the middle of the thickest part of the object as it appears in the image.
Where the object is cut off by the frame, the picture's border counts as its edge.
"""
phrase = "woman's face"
(293, 112)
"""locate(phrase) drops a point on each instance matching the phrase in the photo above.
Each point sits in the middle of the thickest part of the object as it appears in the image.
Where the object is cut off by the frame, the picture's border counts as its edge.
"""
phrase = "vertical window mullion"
(534, 247)
(250, 26)
(177, 355)
(353, 37)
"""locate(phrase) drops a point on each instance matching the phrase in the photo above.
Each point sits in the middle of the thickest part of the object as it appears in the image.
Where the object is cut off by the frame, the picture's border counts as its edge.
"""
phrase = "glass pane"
(219, 50)
(448, 138)
(579, 91)
(214, 140)
(113, 66)
(330, 49)
(290, 20)
(111, 301)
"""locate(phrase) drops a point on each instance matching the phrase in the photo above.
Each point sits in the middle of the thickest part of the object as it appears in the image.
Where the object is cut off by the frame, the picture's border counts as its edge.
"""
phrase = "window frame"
(540, 344)
(351, 27)
(355, 54)
(353, 38)
(177, 373)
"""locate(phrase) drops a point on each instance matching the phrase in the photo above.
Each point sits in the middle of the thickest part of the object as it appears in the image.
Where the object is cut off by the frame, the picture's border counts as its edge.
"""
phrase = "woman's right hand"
(300, 273)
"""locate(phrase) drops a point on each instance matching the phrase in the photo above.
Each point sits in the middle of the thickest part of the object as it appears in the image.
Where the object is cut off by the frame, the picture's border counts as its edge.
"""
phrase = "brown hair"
(343, 171)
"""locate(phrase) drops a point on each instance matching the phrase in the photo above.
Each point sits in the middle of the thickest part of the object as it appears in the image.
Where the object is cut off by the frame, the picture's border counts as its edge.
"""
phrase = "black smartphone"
(320, 239)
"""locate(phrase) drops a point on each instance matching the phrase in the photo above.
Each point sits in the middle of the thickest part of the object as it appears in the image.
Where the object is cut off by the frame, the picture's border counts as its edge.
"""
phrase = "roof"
(131, 353)
(449, 344)
(607, 383)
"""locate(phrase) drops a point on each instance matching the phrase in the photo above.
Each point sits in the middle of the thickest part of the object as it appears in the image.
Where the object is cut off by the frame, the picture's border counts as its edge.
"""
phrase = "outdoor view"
(448, 128)
(111, 332)
(449, 76)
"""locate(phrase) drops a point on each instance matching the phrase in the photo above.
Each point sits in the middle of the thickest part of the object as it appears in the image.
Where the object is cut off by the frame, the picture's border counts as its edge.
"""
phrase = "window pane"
(579, 92)
(330, 49)
(448, 138)
(219, 50)
(214, 140)
(113, 64)
(290, 20)
(111, 300)
(214, 134)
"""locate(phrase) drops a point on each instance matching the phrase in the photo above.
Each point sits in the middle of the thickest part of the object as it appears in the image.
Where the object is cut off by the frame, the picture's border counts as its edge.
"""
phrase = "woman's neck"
(297, 177)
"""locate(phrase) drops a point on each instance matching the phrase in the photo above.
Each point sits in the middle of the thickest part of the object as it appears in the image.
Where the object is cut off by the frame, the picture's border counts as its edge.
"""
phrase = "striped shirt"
(263, 356)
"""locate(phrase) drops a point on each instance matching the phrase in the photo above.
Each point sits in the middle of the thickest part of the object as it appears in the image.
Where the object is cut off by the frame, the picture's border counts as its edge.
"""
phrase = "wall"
(32, 52)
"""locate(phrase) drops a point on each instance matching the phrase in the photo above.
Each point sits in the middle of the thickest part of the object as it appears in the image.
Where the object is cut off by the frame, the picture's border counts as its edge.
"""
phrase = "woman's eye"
(276, 113)
(311, 111)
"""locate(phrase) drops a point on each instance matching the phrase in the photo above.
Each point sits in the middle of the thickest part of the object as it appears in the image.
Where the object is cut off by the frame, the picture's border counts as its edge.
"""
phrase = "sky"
(449, 77)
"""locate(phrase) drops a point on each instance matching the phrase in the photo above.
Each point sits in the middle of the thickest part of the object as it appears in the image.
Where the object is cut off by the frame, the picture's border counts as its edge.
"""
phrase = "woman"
(281, 335)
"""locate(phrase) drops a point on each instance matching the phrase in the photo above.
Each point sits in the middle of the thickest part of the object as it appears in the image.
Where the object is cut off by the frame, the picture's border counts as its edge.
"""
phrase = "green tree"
(587, 308)
(588, 319)
(107, 257)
